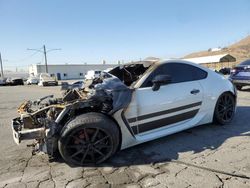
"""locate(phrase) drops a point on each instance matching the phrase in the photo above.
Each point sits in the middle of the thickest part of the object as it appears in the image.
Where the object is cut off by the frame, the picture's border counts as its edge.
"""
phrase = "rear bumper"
(240, 80)
(50, 83)
(19, 133)
(243, 82)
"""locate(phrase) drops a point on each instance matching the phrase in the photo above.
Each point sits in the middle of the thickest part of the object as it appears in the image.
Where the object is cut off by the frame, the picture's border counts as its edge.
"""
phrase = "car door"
(173, 104)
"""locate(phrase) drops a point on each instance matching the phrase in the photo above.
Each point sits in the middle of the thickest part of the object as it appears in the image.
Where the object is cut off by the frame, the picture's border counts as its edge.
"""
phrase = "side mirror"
(160, 80)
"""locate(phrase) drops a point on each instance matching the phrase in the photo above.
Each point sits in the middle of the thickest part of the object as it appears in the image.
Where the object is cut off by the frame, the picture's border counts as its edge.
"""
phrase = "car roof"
(163, 61)
(147, 63)
(174, 61)
(182, 62)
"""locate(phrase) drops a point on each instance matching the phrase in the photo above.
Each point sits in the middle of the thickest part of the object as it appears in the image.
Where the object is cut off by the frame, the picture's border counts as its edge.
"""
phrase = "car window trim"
(206, 74)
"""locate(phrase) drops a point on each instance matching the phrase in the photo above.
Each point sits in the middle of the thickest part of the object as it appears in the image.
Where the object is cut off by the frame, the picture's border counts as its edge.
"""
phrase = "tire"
(239, 87)
(89, 139)
(224, 109)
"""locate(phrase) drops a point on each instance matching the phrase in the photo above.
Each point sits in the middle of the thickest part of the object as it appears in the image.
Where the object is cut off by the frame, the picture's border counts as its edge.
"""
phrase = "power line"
(22, 59)
(44, 51)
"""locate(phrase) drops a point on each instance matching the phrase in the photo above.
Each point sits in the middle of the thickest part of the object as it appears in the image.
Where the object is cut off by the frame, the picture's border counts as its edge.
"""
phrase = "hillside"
(240, 50)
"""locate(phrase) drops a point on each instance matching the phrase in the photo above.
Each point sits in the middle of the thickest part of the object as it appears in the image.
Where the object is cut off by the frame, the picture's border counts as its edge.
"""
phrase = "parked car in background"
(76, 85)
(14, 81)
(2, 81)
(225, 70)
(92, 74)
(32, 80)
(46, 80)
(240, 74)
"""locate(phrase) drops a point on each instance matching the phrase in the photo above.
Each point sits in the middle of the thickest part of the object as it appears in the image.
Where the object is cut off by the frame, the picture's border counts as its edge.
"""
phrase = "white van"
(92, 74)
(46, 80)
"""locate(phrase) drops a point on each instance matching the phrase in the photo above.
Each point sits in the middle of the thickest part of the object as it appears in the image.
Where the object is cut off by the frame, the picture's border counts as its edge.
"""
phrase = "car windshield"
(247, 62)
(45, 76)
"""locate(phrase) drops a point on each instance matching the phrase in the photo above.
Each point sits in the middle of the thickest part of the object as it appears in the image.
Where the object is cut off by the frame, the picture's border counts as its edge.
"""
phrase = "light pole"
(45, 58)
(44, 51)
(1, 62)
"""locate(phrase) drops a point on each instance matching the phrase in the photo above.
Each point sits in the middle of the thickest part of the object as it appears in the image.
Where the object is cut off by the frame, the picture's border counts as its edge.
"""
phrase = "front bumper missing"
(19, 133)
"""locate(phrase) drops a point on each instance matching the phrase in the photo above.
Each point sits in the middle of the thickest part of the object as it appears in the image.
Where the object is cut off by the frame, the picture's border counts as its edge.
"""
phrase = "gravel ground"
(205, 156)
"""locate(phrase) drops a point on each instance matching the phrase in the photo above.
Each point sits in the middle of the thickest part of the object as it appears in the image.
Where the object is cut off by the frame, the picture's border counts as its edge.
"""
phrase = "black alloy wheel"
(89, 139)
(89, 145)
(225, 109)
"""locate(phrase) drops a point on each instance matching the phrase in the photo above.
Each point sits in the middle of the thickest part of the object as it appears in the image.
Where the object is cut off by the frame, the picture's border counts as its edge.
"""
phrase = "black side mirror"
(160, 80)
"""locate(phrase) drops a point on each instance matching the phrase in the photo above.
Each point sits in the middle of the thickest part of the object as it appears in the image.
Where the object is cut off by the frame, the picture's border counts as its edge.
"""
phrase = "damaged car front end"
(43, 120)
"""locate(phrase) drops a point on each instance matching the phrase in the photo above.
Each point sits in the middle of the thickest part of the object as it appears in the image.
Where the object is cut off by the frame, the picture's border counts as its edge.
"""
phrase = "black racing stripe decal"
(132, 120)
(135, 129)
(132, 130)
(166, 121)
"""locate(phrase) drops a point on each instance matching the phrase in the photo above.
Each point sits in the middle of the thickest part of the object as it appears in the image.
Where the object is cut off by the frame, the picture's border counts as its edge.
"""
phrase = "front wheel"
(90, 138)
(224, 109)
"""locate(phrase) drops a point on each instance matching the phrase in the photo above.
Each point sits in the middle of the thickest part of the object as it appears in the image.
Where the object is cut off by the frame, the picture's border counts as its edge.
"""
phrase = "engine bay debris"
(42, 120)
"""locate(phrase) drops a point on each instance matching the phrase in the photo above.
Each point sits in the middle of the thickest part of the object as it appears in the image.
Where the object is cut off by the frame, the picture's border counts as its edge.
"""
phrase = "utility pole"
(1, 62)
(45, 58)
(44, 51)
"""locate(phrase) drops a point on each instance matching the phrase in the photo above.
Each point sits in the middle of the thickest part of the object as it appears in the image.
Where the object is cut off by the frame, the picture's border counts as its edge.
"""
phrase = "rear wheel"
(90, 138)
(238, 87)
(225, 108)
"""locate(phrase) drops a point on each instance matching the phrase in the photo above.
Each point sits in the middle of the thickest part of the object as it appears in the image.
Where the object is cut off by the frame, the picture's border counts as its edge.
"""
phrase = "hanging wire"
(25, 58)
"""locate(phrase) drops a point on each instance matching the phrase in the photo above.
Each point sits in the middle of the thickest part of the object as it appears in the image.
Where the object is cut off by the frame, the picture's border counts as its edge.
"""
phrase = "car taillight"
(232, 71)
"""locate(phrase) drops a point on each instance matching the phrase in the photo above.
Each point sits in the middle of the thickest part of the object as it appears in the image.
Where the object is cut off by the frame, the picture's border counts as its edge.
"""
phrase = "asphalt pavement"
(205, 156)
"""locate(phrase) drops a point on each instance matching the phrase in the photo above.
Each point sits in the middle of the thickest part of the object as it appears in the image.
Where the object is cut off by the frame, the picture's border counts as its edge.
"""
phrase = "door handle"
(195, 91)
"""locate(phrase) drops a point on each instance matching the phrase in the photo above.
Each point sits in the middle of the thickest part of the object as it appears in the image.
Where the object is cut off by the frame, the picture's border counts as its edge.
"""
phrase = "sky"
(89, 31)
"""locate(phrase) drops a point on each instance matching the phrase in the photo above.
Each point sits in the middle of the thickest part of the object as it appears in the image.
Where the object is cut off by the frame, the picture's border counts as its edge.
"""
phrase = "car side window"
(179, 72)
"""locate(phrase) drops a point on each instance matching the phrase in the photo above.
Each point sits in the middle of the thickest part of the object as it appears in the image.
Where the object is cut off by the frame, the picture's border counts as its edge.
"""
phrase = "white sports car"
(129, 105)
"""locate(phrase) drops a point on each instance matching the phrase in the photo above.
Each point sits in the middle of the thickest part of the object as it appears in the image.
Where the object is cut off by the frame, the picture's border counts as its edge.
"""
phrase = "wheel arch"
(232, 93)
(227, 91)
(224, 92)
(117, 125)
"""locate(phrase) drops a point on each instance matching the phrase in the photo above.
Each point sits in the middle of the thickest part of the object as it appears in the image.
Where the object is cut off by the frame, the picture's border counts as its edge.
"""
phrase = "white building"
(68, 71)
(214, 61)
